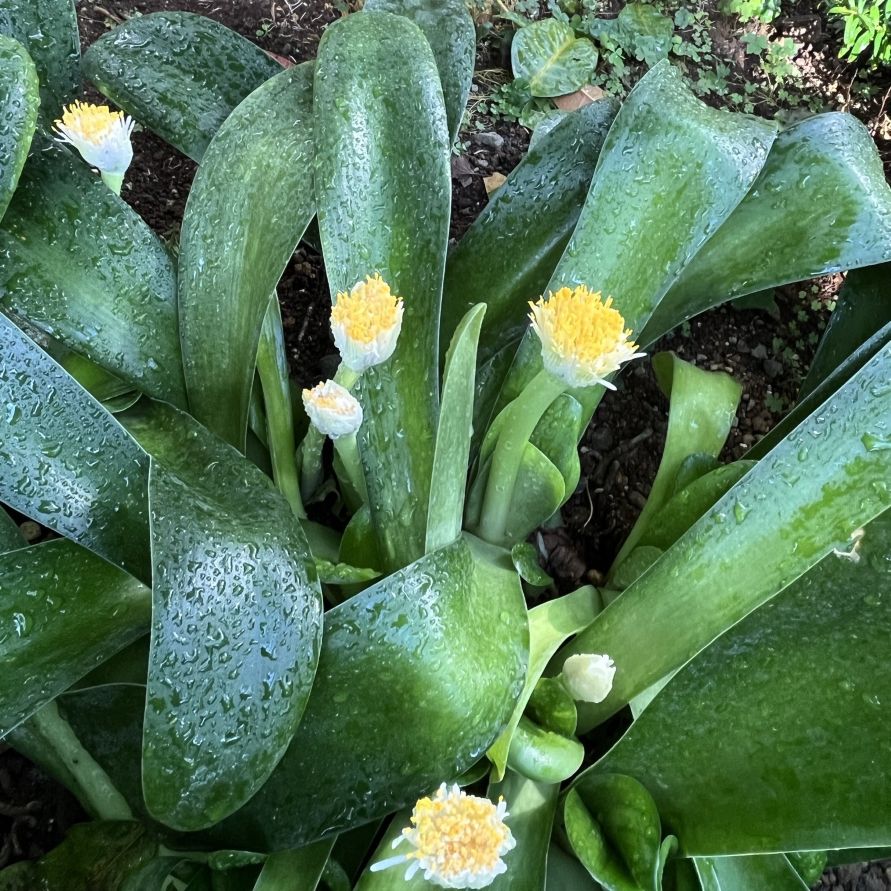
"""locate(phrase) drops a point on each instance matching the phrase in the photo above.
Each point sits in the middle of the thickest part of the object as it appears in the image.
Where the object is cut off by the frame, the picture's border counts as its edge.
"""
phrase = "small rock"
(772, 368)
(760, 351)
(489, 139)
(30, 530)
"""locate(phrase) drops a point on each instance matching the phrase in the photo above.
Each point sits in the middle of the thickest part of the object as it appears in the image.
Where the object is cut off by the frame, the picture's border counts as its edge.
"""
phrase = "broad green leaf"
(342, 573)
(627, 825)
(506, 257)
(550, 624)
(79, 264)
(826, 161)
(701, 410)
(772, 871)
(552, 706)
(179, 74)
(797, 697)
(565, 873)
(65, 462)
(863, 308)
(671, 171)
(250, 203)
(543, 755)
(828, 477)
(538, 493)
(19, 101)
(48, 31)
(645, 31)
(450, 31)
(295, 870)
(236, 625)
(451, 454)
(525, 559)
(63, 610)
(551, 58)
(384, 194)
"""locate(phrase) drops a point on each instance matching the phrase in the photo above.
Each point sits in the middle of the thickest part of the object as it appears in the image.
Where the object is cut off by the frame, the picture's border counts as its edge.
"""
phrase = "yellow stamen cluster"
(583, 337)
(102, 136)
(367, 310)
(92, 123)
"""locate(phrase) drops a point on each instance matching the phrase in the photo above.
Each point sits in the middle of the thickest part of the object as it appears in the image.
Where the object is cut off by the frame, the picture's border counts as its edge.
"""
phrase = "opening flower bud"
(102, 136)
(589, 676)
(366, 322)
(332, 409)
(583, 338)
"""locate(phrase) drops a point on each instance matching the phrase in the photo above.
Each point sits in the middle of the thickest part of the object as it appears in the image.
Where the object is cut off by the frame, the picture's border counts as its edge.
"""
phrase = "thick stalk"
(114, 181)
(348, 452)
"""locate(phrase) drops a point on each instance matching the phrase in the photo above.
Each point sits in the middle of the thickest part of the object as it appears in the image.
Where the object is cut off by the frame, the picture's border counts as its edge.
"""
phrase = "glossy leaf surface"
(773, 871)
(179, 74)
(450, 31)
(384, 195)
(249, 204)
(829, 476)
(48, 31)
(90, 487)
(63, 610)
(294, 870)
(828, 160)
(551, 58)
(236, 625)
(798, 696)
(79, 264)
(19, 101)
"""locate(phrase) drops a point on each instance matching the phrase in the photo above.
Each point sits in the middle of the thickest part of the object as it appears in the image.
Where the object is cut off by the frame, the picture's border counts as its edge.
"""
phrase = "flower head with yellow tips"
(332, 409)
(589, 676)
(102, 136)
(583, 338)
(366, 322)
(457, 839)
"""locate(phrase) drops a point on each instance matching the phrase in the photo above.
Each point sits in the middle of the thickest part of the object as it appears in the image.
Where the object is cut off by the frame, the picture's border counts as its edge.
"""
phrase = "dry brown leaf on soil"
(580, 98)
(493, 182)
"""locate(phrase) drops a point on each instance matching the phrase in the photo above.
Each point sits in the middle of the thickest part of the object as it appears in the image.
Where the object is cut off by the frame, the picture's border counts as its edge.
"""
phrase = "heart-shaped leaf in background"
(549, 56)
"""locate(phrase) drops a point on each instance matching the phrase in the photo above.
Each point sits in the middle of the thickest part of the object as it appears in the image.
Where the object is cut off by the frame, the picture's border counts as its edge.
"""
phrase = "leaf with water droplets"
(785, 716)
(384, 194)
(773, 871)
(250, 203)
(79, 264)
(799, 502)
(48, 30)
(178, 73)
(552, 58)
(63, 610)
(236, 626)
(19, 101)
(65, 462)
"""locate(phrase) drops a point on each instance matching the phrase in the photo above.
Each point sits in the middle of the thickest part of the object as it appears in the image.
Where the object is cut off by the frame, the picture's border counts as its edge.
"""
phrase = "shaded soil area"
(765, 350)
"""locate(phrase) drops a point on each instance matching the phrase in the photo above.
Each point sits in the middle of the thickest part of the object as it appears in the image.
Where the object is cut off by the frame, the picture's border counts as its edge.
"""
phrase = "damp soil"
(766, 350)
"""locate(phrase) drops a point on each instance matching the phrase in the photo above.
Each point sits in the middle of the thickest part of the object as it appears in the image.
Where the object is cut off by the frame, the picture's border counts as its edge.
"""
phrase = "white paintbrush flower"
(332, 409)
(102, 136)
(366, 322)
(589, 676)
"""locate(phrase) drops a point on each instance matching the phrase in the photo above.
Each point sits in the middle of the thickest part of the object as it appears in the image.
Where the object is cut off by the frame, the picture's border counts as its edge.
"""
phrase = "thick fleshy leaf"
(863, 309)
(63, 610)
(90, 487)
(828, 160)
(384, 194)
(701, 411)
(449, 30)
(179, 74)
(48, 30)
(82, 266)
(798, 696)
(565, 873)
(19, 101)
(236, 625)
(551, 58)
(806, 497)
(745, 873)
(295, 870)
(450, 457)
(671, 171)
(250, 203)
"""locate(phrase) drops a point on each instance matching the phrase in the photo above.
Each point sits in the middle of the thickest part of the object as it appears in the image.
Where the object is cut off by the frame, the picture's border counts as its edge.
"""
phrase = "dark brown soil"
(620, 452)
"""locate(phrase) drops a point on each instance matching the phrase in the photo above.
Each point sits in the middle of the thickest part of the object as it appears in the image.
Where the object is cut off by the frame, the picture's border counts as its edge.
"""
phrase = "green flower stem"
(523, 414)
(272, 367)
(346, 377)
(94, 788)
(348, 452)
(114, 181)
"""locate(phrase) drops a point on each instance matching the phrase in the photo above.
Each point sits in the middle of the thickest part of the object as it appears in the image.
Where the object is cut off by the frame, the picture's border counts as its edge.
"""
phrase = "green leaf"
(525, 559)
(543, 755)
(792, 681)
(449, 30)
(702, 408)
(79, 264)
(828, 160)
(645, 31)
(63, 610)
(565, 873)
(670, 173)
(342, 573)
(744, 873)
(863, 308)
(250, 203)
(551, 58)
(236, 626)
(295, 870)
(90, 487)
(383, 204)
(19, 101)
(452, 451)
(550, 624)
(179, 74)
(48, 31)
(829, 476)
